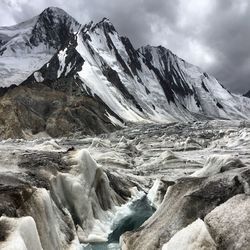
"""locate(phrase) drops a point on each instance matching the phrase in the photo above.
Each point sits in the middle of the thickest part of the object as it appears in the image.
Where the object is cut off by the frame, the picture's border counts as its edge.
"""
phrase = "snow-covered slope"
(149, 84)
(123, 74)
(144, 85)
(196, 90)
(27, 46)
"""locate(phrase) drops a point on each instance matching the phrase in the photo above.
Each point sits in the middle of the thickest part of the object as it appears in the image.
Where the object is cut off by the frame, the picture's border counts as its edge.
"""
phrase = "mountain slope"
(93, 61)
(33, 42)
(195, 89)
(149, 84)
(31, 109)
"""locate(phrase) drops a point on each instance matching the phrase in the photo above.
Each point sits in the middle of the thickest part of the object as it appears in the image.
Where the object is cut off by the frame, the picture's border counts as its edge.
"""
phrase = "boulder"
(229, 223)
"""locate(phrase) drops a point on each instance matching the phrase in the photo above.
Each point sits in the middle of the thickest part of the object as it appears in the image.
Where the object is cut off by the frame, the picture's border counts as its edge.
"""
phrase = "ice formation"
(21, 234)
(78, 190)
(218, 164)
(194, 236)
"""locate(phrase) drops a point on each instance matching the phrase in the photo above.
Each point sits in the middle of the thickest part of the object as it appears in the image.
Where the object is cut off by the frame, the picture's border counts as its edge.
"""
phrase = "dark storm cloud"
(213, 34)
(229, 37)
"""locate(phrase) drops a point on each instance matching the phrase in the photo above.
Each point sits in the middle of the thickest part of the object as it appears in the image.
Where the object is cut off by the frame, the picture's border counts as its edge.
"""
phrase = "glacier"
(75, 192)
(105, 146)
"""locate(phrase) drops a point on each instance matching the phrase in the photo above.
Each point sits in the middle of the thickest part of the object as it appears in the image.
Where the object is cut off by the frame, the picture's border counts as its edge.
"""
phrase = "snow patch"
(61, 58)
(153, 193)
(114, 120)
(217, 164)
(38, 76)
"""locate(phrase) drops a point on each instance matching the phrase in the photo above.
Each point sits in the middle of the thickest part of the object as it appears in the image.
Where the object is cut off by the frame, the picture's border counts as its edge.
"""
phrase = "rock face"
(229, 223)
(32, 109)
(53, 28)
(43, 33)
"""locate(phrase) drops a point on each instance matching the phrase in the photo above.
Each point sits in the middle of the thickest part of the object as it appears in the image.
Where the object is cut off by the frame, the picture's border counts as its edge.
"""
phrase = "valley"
(107, 146)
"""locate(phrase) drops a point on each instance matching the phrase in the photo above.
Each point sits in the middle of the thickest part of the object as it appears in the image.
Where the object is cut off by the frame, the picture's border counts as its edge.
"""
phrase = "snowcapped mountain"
(148, 84)
(27, 46)
(196, 90)
(135, 85)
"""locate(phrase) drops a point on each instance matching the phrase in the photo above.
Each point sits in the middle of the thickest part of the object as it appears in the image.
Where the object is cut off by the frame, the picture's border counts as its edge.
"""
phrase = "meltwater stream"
(141, 210)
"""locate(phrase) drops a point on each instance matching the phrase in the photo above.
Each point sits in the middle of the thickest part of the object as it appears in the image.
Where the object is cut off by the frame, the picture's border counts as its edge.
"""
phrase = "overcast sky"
(213, 34)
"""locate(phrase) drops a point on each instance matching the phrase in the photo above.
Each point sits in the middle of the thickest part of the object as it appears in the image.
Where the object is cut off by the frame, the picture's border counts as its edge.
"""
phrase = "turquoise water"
(103, 246)
(141, 211)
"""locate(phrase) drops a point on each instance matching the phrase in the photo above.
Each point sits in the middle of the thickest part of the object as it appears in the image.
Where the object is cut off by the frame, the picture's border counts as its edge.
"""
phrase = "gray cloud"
(213, 34)
(229, 36)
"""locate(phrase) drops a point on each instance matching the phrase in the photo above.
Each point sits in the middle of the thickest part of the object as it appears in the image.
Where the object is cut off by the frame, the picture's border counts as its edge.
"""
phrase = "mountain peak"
(106, 20)
(56, 14)
(54, 10)
(54, 26)
(158, 48)
(106, 24)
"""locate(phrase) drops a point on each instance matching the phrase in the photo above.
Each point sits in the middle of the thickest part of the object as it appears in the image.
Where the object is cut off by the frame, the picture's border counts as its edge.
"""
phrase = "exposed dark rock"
(106, 25)
(164, 82)
(219, 105)
(134, 62)
(50, 71)
(147, 91)
(54, 28)
(36, 163)
(196, 97)
(120, 185)
(49, 161)
(4, 230)
(13, 193)
(2, 50)
(204, 86)
(39, 108)
(170, 79)
(247, 94)
(113, 77)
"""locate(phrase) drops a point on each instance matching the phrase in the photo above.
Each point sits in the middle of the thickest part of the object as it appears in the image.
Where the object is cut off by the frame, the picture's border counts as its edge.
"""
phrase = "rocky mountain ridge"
(147, 85)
